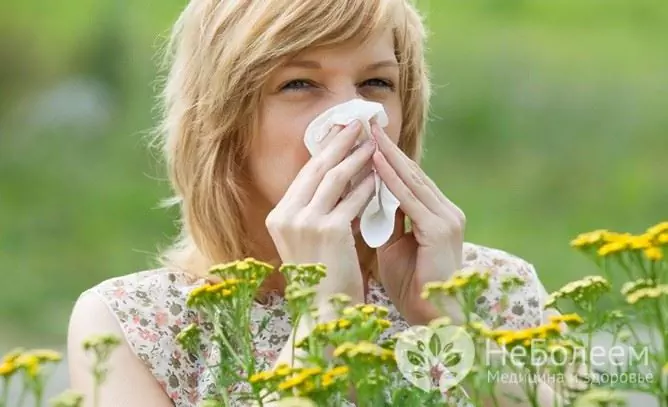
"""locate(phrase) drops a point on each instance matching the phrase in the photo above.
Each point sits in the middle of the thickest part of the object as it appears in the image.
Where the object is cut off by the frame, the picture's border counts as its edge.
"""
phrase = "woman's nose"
(344, 94)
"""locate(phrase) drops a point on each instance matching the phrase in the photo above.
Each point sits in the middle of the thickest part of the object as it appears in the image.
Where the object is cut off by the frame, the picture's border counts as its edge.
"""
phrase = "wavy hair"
(219, 55)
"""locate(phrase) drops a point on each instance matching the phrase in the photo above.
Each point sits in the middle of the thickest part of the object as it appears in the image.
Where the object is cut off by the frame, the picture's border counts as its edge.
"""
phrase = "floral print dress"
(150, 307)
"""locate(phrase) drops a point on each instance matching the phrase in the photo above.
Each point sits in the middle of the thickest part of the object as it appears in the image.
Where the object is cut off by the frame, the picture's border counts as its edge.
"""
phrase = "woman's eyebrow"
(309, 64)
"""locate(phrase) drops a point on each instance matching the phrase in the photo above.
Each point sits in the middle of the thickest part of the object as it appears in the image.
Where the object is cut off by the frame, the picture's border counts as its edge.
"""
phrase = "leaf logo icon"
(434, 358)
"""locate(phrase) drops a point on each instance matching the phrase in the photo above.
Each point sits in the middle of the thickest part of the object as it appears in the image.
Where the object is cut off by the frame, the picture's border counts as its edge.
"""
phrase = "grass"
(548, 120)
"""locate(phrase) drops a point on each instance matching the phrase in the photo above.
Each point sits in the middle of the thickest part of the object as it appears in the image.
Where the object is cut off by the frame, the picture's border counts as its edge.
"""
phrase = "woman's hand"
(312, 222)
(432, 250)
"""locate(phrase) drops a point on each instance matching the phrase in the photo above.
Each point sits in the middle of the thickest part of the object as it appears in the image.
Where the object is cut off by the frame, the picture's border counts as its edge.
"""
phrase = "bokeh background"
(549, 118)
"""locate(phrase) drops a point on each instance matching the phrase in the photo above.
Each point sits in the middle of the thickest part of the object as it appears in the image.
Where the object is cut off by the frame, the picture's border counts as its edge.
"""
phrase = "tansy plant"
(351, 357)
(31, 369)
(339, 359)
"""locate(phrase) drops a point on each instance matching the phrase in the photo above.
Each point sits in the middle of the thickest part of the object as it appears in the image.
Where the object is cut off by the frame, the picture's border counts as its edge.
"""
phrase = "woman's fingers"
(414, 177)
(336, 180)
(409, 202)
(411, 175)
(353, 203)
(307, 180)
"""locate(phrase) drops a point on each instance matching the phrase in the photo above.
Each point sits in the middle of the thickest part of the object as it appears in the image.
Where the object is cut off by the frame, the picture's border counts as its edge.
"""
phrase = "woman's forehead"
(376, 48)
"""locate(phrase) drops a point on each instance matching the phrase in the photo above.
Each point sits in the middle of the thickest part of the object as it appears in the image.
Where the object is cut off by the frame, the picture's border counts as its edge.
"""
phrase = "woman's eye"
(296, 84)
(377, 82)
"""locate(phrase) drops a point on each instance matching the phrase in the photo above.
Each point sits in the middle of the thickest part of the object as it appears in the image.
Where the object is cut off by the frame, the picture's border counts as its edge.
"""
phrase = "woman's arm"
(128, 383)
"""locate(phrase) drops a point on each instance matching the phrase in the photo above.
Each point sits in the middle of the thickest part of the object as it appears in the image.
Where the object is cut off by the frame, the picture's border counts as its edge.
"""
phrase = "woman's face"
(308, 85)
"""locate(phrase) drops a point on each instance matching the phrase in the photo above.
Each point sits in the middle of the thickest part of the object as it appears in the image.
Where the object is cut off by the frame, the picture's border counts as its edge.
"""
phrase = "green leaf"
(435, 344)
(415, 358)
(452, 358)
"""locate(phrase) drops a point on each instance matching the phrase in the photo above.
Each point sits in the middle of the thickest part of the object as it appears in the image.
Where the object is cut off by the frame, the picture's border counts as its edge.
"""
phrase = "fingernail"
(355, 125)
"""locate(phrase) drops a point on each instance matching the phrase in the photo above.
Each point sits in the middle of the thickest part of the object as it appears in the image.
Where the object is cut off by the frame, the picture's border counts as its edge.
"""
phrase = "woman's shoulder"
(149, 310)
(497, 261)
(148, 304)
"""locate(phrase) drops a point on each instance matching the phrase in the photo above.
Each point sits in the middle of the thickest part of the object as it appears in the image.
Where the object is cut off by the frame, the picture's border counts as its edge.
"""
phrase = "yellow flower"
(384, 323)
(344, 323)
(29, 363)
(640, 242)
(459, 280)
(569, 319)
(340, 371)
(47, 355)
(662, 238)
(631, 286)
(654, 253)
(261, 377)
(294, 381)
(610, 237)
(524, 336)
(282, 370)
(295, 293)
(588, 286)
(648, 292)
(369, 309)
(552, 299)
(12, 355)
(7, 369)
(299, 378)
(658, 229)
(363, 348)
(331, 376)
(102, 342)
(612, 247)
(588, 239)
(340, 299)
(68, 398)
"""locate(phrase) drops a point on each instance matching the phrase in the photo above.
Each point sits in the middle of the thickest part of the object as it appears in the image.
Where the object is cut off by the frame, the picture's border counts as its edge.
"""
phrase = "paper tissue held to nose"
(377, 220)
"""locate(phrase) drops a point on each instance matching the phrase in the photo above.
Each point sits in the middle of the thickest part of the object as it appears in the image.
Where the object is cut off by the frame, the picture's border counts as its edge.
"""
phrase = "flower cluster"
(589, 288)
(343, 354)
(607, 243)
(30, 362)
(647, 293)
(525, 337)
(458, 282)
(33, 368)
(300, 381)
(242, 277)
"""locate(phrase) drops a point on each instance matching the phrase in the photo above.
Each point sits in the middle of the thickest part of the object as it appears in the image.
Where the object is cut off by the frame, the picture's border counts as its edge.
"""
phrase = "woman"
(245, 79)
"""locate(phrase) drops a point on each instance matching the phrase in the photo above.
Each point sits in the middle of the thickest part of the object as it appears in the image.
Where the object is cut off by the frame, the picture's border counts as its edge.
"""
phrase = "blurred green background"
(549, 118)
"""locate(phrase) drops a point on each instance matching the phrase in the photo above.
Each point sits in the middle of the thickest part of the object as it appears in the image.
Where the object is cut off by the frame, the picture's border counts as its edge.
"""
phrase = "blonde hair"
(219, 56)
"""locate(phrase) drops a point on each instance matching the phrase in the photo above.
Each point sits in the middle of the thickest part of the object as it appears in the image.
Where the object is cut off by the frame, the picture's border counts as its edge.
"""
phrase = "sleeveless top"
(150, 307)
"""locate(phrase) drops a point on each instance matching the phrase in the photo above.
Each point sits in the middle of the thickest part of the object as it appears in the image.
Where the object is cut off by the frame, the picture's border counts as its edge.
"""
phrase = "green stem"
(293, 345)
(216, 312)
(22, 397)
(96, 384)
(39, 393)
(5, 392)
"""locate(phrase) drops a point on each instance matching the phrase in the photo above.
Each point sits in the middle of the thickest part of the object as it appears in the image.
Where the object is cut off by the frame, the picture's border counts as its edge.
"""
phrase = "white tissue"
(377, 220)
